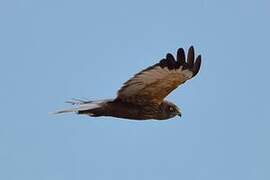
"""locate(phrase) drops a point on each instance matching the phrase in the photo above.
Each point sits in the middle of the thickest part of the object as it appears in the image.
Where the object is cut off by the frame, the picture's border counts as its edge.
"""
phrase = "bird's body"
(142, 97)
(116, 108)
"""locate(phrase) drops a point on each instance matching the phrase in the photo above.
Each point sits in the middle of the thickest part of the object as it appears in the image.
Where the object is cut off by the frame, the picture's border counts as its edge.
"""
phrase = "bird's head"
(170, 110)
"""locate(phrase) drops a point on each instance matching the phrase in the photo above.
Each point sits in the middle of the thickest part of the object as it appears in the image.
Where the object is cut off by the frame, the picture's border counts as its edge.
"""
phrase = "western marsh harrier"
(142, 96)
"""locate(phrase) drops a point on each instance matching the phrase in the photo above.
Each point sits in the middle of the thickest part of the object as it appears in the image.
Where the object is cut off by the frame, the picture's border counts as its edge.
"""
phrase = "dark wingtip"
(190, 57)
(169, 56)
(191, 48)
(191, 64)
(181, 57)
(195, 69)
(171, 63)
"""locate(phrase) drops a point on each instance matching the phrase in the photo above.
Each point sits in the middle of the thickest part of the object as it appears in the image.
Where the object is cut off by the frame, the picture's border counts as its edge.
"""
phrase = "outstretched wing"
(153, 84)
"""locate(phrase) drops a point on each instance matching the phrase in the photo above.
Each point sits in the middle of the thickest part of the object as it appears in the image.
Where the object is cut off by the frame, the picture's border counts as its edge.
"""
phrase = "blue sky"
(55, 50)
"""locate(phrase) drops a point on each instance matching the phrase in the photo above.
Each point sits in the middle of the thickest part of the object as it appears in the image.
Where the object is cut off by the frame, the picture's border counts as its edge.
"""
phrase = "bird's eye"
(171, 109)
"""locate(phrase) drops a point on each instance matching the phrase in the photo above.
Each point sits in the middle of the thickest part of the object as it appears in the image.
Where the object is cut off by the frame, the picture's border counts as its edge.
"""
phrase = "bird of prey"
(142, 96)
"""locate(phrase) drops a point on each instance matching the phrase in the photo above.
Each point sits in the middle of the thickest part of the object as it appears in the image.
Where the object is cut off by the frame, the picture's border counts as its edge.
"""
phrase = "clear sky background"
(55, 50)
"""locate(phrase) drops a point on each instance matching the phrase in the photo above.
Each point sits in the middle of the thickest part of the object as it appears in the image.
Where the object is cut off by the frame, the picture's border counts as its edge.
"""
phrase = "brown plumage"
(142, 96)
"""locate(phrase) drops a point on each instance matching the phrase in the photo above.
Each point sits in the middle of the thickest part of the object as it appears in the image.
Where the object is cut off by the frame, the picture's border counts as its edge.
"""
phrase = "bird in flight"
(142, 96)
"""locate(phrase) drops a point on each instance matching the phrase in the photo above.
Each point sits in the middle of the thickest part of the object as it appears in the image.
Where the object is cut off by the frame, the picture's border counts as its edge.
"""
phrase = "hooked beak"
(178, 112)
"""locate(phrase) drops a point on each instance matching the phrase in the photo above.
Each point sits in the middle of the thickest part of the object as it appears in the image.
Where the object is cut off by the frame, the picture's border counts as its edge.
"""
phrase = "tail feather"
(83, 107)
(66, 111)
(78, 101)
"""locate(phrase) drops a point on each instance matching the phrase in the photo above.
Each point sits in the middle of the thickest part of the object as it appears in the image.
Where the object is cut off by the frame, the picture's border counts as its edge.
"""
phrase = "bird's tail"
(83, 107)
